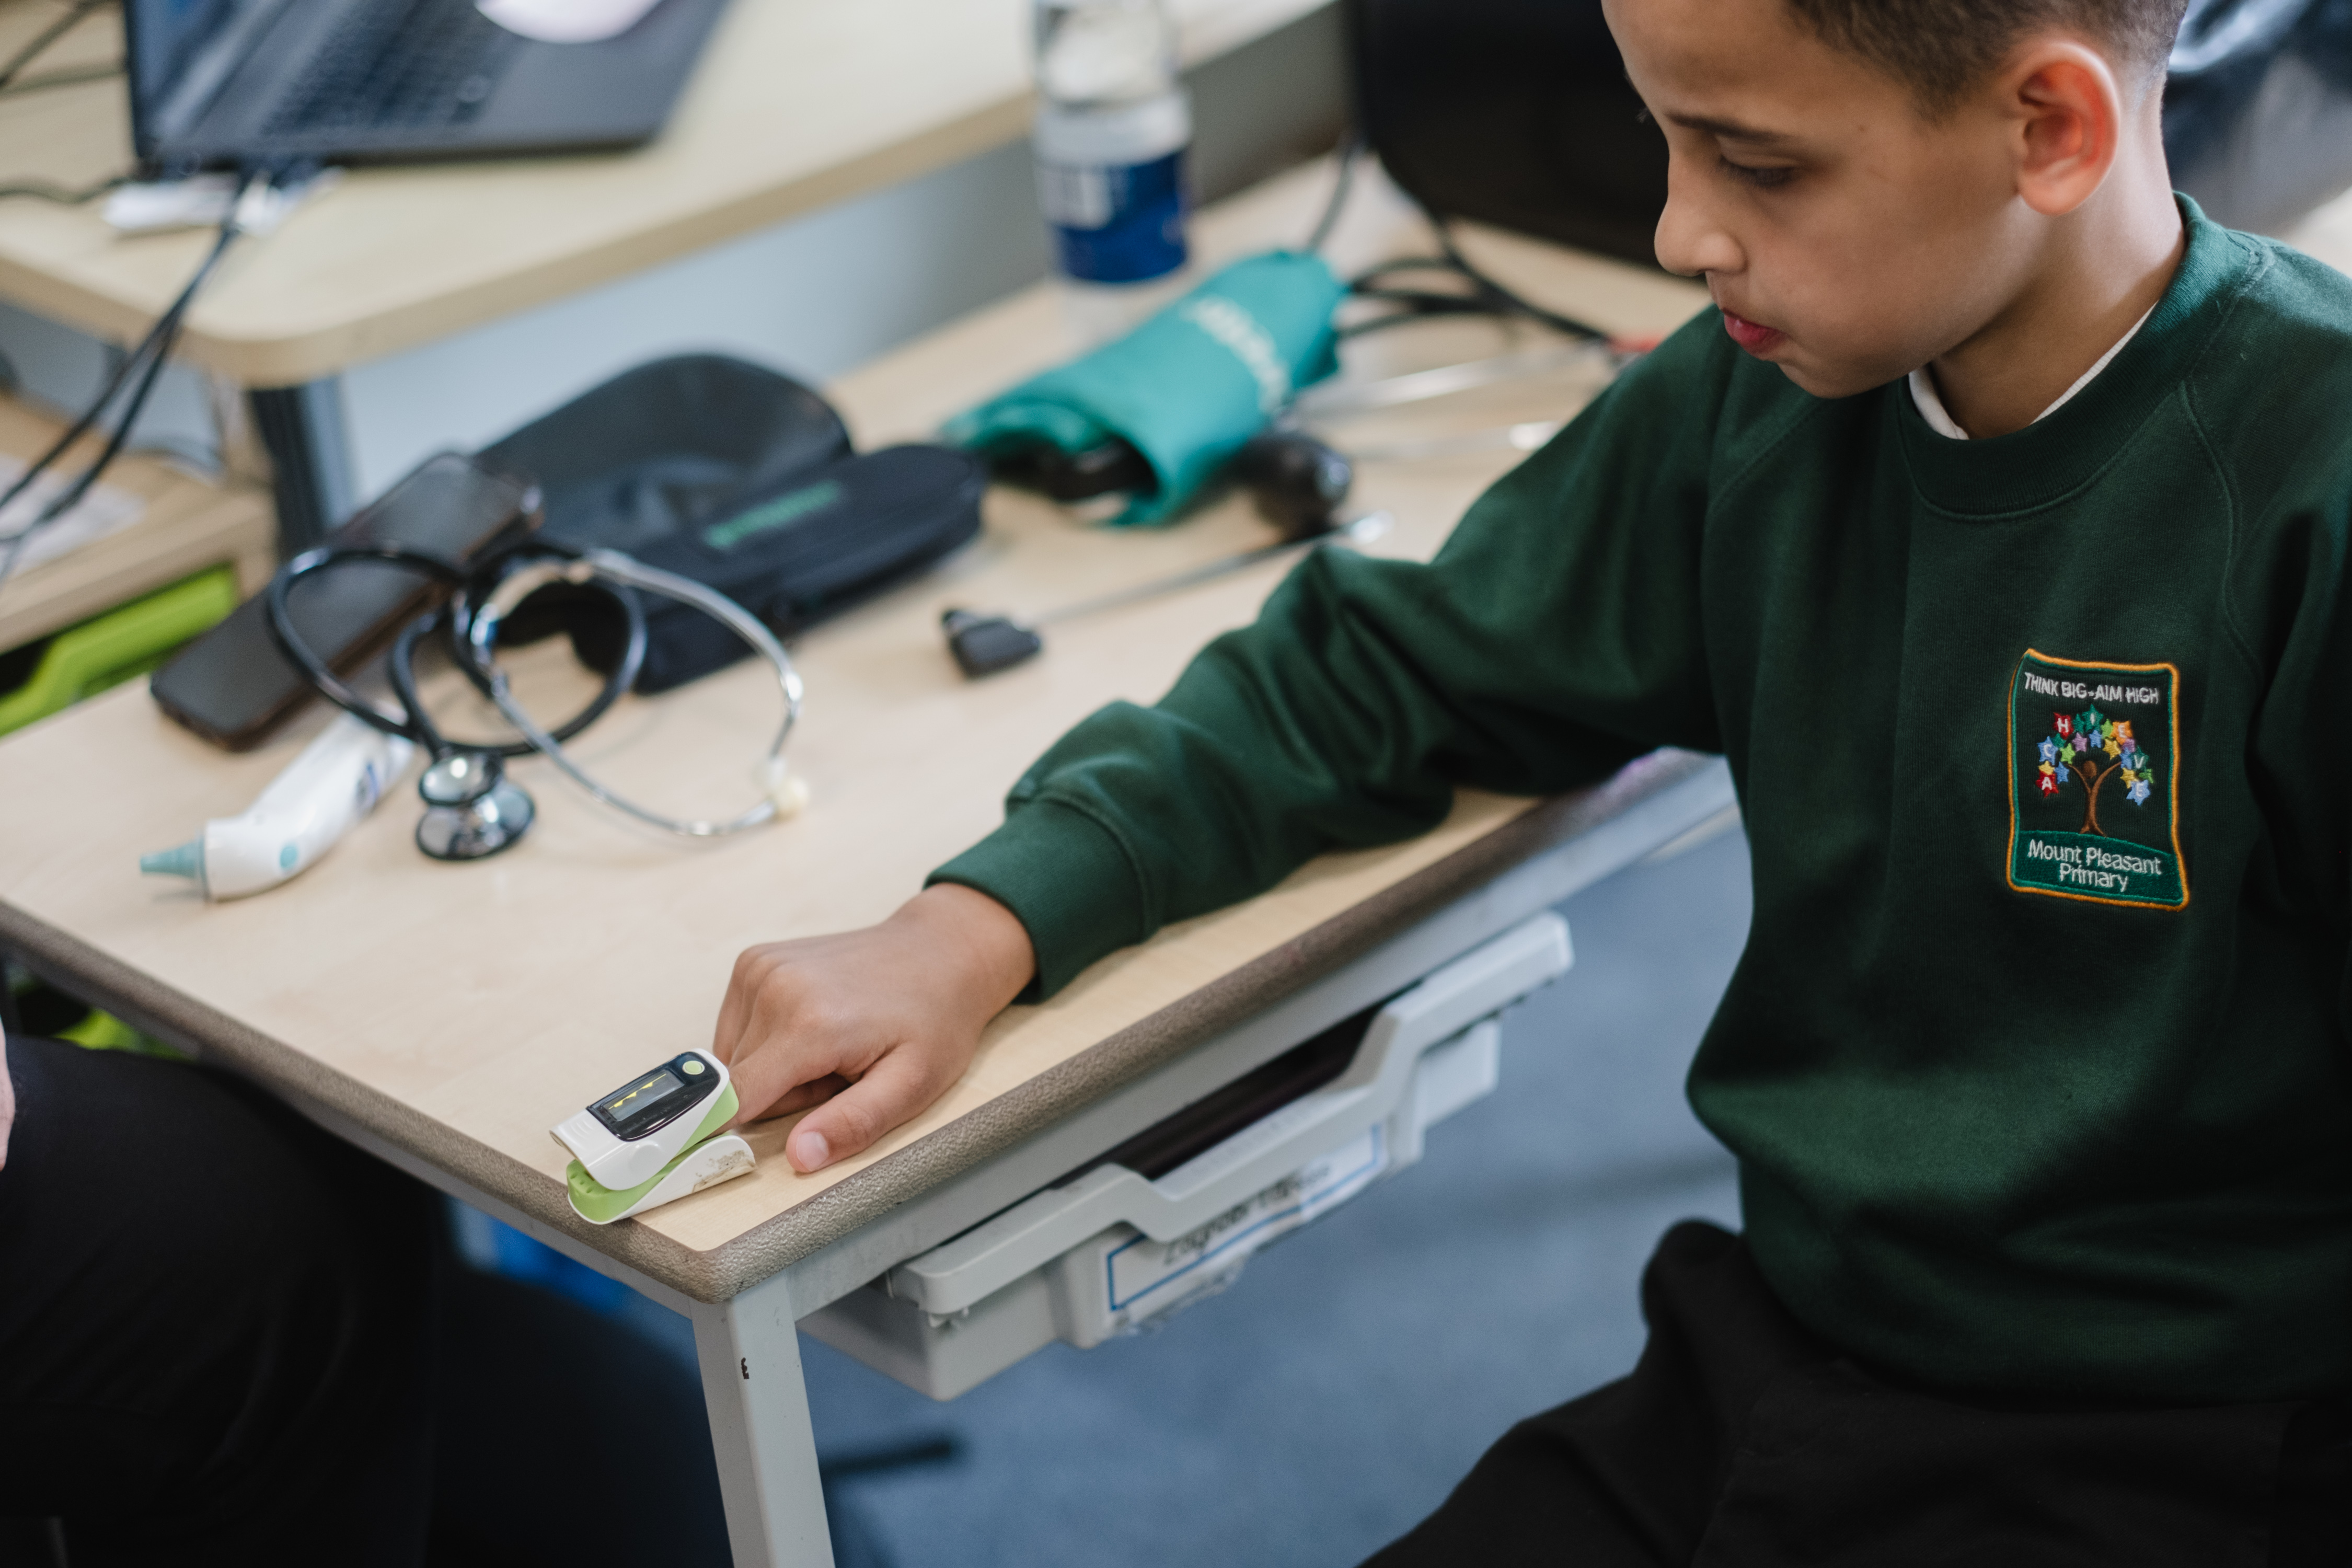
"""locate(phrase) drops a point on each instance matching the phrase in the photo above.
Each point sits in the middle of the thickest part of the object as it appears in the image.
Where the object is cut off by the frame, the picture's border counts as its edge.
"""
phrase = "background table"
(796, 105)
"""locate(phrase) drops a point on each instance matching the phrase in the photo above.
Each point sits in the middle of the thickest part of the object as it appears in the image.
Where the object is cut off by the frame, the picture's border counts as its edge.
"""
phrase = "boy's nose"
(1690, 242)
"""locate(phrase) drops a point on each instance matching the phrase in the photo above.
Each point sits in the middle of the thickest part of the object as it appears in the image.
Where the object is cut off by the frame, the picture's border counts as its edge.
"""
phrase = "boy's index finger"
(786, 1044)
(734, 1009)
(744, 981)
(766, 1067)
(815, 1092)
(898, 1086)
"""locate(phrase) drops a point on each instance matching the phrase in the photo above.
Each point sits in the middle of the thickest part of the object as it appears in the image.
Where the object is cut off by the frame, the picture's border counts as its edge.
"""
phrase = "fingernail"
(809, 1149)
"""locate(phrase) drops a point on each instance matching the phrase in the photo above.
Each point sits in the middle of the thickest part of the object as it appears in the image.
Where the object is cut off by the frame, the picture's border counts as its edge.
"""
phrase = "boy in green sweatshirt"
(1993, 526)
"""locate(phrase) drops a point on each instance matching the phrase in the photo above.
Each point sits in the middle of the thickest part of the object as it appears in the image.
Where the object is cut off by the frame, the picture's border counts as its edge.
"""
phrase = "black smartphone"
(234, 687)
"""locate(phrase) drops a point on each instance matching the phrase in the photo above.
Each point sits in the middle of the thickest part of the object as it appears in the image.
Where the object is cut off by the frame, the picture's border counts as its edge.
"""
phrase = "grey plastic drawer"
(1111, 1249)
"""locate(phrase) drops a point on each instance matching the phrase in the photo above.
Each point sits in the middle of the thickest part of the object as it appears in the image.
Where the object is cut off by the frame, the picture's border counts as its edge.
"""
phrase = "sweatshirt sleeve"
(1555, 637)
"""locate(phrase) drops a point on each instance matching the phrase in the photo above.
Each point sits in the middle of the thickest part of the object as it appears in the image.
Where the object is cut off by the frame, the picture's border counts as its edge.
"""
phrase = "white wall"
(812, 297)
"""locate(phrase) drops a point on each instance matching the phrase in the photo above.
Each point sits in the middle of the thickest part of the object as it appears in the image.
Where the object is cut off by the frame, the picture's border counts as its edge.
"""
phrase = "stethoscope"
(472, 809)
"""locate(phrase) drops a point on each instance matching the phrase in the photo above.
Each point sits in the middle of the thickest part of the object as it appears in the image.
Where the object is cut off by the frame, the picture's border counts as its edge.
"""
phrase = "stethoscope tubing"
(276, 601)
(611, 565)
(412, 721)
(474, 628)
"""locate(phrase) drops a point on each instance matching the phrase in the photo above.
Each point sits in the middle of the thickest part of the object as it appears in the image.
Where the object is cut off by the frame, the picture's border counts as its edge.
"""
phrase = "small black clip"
(982, 645)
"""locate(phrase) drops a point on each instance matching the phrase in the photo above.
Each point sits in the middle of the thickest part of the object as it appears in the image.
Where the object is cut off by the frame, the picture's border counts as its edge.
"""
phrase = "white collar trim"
(1930, 403)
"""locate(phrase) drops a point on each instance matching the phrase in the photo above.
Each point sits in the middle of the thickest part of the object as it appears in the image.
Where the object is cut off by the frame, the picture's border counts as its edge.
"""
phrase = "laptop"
(281, 82)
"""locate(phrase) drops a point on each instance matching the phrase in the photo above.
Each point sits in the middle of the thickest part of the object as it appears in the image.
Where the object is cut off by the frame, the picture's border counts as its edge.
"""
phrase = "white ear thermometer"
(651, 1140)
(333, 783)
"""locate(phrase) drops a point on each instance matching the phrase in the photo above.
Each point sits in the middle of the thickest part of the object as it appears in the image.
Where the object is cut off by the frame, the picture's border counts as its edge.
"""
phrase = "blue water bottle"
(1113, 126)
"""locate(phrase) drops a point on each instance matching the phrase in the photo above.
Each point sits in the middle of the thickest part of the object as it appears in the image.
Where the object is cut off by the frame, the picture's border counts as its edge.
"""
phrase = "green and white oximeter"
(651, 1140)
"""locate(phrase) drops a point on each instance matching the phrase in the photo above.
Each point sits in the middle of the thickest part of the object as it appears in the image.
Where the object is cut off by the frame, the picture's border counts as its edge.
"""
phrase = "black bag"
(809, 547)
(667, 445)
(738, 478)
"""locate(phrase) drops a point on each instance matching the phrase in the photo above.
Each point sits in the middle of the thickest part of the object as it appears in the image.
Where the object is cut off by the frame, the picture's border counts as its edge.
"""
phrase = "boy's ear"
(2066, 114)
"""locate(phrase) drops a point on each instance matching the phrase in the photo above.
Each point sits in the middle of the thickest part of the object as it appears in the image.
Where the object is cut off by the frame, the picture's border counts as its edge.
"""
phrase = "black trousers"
(215, 1323)
(1740, 1441)
(226, 1337)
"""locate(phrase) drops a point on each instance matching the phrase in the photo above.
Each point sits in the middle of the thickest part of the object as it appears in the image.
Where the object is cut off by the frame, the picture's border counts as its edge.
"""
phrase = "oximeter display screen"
(651, 1102)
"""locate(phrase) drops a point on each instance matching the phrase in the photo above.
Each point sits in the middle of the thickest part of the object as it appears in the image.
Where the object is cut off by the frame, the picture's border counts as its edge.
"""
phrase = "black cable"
(45, 37)
(13, 547)
(148, 361)
(1487, 296)
(166, 325)
(72, 76)
(468, 586)
(80, 428)
(1414, 304)
(41, 189)
(64, 195)
(89, 416)
(1495, 289)
(1350, 146)
(1417, 308)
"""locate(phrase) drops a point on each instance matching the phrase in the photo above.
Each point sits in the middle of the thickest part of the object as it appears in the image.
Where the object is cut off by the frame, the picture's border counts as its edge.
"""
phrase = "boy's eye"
(1765, 177)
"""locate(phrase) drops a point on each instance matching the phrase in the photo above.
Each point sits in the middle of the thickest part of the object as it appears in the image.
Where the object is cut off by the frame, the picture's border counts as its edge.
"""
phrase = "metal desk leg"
(301, 428)
(750, 1357)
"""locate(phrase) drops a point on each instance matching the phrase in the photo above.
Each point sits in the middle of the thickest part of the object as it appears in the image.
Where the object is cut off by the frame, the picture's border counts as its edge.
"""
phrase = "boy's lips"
(1753, 336)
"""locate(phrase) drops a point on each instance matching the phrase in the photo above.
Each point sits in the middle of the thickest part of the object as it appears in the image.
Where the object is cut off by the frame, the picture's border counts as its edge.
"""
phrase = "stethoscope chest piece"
(471, 811)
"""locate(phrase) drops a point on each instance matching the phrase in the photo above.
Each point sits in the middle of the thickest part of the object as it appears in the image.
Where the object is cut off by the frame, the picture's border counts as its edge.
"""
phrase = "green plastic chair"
(126, 641)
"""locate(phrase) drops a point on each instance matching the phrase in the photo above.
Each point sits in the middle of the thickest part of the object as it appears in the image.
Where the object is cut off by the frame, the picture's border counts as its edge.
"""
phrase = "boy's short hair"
(1939, 49)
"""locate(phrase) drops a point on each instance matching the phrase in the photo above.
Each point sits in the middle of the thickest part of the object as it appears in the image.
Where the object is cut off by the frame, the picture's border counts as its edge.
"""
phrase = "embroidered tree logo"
(2089, 748)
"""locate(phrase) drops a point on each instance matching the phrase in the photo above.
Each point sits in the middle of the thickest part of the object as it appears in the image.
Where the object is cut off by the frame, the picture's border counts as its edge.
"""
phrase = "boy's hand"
(871, 1025)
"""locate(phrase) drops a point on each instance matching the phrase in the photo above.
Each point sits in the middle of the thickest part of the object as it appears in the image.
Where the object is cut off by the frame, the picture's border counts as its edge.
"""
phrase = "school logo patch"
(2093, 763)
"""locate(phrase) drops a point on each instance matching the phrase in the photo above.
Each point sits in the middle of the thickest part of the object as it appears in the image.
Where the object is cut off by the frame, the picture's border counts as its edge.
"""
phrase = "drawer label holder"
(1149, 1276)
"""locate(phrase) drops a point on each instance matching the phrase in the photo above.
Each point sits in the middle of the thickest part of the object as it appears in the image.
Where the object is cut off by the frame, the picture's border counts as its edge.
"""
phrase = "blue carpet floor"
(1332, 1397)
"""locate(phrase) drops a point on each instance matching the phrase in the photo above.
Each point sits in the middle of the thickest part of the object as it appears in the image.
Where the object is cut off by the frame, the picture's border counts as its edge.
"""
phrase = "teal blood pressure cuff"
(1187, 387)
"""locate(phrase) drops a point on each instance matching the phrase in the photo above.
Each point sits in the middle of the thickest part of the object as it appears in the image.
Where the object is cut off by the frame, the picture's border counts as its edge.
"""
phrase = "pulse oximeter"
(652, 1140)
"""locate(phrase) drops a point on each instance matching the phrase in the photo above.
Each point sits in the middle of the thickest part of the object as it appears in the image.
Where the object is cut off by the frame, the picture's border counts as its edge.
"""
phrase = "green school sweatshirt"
(2035, 1063)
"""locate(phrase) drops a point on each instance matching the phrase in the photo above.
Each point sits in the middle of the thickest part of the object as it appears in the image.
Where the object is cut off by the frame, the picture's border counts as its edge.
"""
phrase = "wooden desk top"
(461, 1011)
(795, 104)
